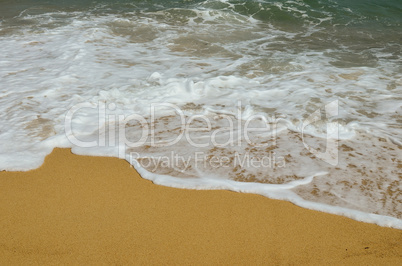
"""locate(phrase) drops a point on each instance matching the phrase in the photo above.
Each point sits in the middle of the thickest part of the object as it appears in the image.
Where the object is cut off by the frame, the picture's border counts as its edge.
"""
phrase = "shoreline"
(83, 209)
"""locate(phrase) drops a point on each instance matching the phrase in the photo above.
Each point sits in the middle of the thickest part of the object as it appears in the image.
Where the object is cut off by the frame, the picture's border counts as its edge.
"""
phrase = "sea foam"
(325, 132)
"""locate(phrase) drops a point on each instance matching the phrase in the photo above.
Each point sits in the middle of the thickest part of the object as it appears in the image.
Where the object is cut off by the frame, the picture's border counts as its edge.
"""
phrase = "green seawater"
(358, 12)
(356, 30)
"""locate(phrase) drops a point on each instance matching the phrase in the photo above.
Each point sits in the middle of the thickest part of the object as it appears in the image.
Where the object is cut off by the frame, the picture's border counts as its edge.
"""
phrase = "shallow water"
(295, 100)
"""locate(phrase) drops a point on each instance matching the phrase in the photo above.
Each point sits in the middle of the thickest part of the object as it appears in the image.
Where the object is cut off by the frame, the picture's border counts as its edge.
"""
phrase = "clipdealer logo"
(236, 127)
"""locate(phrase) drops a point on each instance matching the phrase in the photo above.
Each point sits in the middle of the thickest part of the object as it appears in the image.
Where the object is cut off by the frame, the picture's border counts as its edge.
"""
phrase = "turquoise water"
(322, 79)
(358, 30)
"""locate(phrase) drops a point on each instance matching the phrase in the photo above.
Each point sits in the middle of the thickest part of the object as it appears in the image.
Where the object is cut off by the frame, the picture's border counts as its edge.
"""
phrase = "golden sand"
(80, 209)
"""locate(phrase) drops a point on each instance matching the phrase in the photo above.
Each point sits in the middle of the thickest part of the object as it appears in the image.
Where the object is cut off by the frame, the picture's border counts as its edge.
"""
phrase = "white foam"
(218, 64)
(279, 192)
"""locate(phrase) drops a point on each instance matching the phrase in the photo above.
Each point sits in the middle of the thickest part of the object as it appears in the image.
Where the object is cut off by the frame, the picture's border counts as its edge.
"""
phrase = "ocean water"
(294, 100)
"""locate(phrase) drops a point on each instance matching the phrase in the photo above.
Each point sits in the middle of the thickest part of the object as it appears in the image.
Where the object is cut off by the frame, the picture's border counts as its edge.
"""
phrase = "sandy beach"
(80, 209)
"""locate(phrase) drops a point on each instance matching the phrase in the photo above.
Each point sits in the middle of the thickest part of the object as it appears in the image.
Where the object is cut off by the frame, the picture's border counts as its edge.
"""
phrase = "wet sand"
(80, 209)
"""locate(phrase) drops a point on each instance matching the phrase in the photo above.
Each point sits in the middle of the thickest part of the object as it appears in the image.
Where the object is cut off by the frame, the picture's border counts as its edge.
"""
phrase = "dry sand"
(79, 209)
